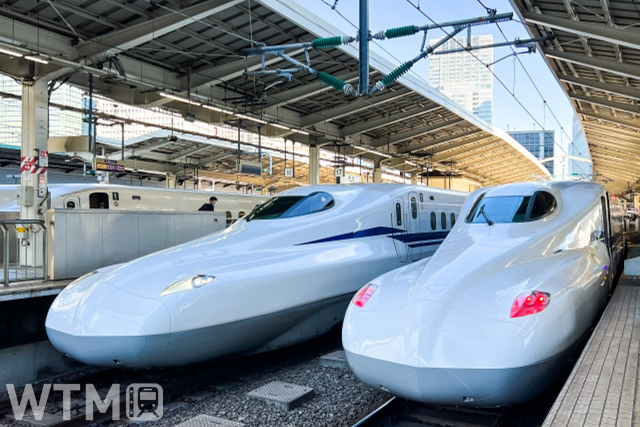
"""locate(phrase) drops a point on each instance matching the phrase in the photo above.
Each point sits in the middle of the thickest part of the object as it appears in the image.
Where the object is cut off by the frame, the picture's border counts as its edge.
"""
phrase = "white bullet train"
(283, 274)
(123, 197)
(490, 318)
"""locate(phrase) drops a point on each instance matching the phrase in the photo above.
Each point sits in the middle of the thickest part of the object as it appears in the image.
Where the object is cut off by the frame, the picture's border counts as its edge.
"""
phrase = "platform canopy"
(139, 50)
(596, 58)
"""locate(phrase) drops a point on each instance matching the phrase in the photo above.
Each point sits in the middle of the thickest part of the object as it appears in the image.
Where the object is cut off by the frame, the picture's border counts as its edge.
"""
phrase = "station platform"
(32, 289)
(602, 389)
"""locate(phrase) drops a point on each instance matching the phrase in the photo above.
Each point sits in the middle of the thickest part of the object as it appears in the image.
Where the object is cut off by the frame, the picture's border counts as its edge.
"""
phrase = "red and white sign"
(26, 162)
(42, 185)
(43, 158)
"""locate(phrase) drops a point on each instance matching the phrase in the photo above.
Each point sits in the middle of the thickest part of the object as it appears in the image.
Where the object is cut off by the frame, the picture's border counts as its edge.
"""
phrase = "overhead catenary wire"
(497, 79)
(545, 104)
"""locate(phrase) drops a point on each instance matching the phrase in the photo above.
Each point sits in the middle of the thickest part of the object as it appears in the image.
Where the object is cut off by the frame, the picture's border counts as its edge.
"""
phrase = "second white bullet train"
(490, 318)
(283, 274)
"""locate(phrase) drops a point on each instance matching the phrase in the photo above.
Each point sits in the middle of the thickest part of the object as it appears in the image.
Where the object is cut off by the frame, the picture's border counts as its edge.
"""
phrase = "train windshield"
(292, 206)
(500, 209)
(505, 209)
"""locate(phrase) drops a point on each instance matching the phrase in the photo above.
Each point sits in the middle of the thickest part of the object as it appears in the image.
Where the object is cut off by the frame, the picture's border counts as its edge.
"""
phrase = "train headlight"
(80, 279)
(363, 295)
(530, 303)
(188, 284)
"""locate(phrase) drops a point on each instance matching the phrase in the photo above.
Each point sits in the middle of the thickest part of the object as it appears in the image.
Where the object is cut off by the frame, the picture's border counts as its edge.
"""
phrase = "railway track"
(176, 383)
(397, 412)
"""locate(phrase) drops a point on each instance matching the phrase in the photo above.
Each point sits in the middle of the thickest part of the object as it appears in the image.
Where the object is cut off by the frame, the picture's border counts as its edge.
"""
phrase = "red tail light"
(530, 303)
(363, 295)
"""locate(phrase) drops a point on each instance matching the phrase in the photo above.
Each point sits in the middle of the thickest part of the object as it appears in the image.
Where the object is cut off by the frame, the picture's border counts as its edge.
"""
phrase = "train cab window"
(453, 219)
(71, 204)
(507, 209)
(433, 221)
(414, 208)
(398, 214)
(293, 206)
(543, 204)
(98, 201)
(443, 220)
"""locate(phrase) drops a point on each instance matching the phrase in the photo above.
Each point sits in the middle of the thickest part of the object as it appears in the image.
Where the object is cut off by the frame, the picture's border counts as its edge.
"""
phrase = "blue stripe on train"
(417, 239)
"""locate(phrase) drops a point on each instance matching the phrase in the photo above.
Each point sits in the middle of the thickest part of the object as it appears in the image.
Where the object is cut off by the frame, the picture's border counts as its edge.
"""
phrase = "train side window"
(431, 198)
(136, 198)
(414, 208)
(443, 220)
(453, 219)
(115, 195)
(433, 221)
(398, 214)
(421, 198)
(98, 201)
(229, 220)
(543, 204)
(240, 214)
(71, 204)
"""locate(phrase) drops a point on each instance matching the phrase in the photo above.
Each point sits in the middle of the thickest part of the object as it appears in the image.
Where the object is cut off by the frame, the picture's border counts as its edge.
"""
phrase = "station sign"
(338, 172)
(109, 165)
(43, 158)
(42, 185)
(288, 173)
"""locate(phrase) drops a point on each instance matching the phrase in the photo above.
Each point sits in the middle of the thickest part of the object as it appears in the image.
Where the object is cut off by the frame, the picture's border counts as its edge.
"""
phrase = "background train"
(492, 316)
(283, 274)
(122, 197)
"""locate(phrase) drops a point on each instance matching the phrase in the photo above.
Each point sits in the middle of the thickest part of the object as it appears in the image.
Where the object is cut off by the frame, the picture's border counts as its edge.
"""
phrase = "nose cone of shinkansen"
(429, 344)
(98, 324)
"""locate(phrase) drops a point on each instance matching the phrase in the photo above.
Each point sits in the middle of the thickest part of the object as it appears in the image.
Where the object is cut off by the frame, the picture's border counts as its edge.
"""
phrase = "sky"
(507, 113)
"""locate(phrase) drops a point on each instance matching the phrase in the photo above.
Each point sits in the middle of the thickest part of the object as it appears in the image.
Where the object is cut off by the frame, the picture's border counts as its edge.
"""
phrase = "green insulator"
(327, 42)
(332, 81)
(396, 74)
(401, 31)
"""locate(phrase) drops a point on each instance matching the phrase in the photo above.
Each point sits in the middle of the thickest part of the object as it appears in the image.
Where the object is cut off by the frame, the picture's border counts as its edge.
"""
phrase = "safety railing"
(25, 260)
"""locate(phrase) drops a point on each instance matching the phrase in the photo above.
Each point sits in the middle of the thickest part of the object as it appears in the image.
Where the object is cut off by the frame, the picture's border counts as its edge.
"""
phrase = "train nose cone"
(106, 326)
(428, 352)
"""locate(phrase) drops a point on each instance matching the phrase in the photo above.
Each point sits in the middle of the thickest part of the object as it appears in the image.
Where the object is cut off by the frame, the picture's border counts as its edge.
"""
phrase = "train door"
(413, 227)
(603, 238)
(71, 202)
(399, 228)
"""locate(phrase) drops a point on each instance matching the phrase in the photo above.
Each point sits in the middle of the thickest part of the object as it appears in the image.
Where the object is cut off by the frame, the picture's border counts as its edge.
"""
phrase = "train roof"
(528, 188)
(389, 190)
(62, 189)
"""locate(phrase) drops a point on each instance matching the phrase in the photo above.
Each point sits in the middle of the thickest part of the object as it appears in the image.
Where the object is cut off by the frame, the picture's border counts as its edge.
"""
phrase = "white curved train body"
(283, 274)
(123, 197)
(493, 314)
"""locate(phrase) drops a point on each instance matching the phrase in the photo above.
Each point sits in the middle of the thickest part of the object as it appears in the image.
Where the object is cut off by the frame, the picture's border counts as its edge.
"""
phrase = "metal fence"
(24, 250)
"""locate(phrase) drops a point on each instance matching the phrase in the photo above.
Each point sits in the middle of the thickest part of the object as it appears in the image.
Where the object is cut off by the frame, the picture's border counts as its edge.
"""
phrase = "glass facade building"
(539, 143)
(61, 122)
(579, 148)
(463, 78)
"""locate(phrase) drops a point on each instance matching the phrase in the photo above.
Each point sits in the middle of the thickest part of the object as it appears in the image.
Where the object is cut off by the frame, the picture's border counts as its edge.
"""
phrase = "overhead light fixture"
(179, 98)
(279, 126)
(214, 108)
(37, 58)
(377, 153)
(190, 117)
(300, 131)
(411, 163)
(10, 52)
(253, 119)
